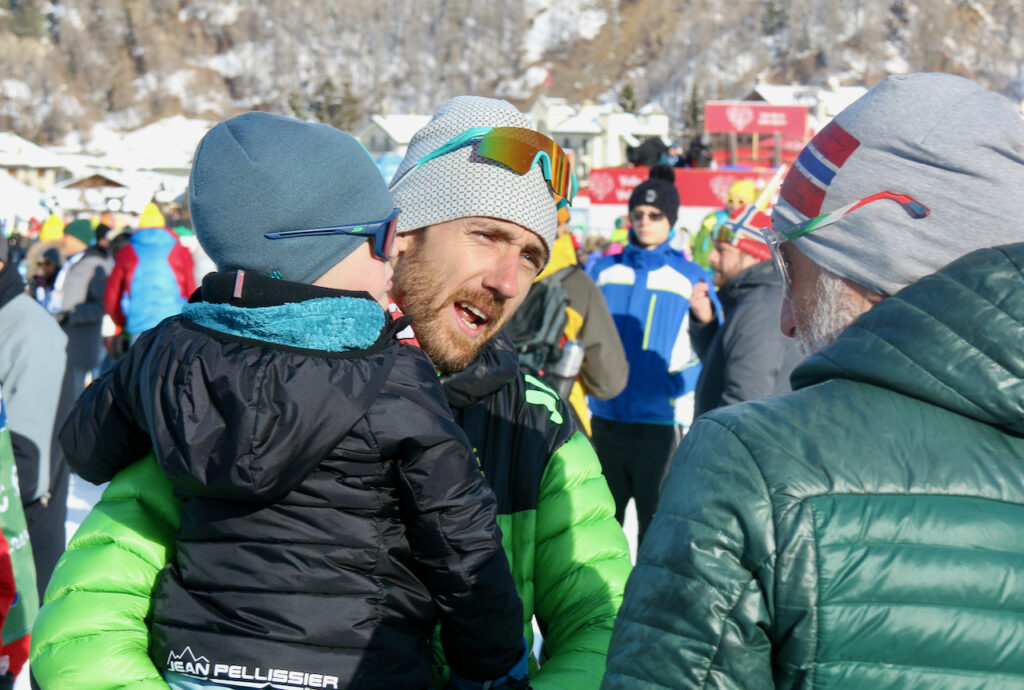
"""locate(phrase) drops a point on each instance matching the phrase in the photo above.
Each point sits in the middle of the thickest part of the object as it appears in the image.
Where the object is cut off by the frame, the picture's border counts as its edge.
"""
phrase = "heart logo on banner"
(720, 186)
(601, 185)
(739, 116)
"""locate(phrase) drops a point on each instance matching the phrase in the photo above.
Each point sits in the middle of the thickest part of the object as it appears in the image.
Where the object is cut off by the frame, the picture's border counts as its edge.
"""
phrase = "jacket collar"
(495, 366)
(290, 314)
(255, 290)
(760, 274)
(648, 259)
(953, 338)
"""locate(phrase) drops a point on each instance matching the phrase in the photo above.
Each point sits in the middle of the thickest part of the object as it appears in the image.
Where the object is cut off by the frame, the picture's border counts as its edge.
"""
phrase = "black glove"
(517, 678)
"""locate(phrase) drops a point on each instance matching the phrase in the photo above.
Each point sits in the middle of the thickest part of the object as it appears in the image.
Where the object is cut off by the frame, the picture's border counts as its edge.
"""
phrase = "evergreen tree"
(773, 25)
(627, 98)
(343, 110)
(296, 105)
(694, 115)
(26, 18)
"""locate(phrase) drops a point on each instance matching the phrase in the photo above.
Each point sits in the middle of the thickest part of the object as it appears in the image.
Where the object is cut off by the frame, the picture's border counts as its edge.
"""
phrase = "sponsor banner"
(749, 117)
(697, 187)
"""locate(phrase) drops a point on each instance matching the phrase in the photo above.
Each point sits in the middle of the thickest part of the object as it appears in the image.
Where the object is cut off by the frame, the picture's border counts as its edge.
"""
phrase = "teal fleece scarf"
(328, 324)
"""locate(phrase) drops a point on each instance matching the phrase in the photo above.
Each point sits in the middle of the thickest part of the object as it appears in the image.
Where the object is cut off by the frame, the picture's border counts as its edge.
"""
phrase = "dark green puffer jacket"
(865, 531)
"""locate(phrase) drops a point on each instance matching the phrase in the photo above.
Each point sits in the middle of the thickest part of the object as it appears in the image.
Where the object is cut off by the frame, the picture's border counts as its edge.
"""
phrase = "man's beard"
(832, 313)
(420, 290)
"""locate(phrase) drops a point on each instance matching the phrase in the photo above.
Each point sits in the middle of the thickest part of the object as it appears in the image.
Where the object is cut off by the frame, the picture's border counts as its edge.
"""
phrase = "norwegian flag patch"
(805, 185)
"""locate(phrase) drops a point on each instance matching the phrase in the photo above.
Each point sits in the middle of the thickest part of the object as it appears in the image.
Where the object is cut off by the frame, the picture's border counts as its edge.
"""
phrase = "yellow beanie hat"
(742, 191)
(151, 217)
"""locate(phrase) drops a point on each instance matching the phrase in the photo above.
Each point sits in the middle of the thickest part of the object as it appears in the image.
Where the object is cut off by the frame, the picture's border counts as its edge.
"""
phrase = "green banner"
(12, 522)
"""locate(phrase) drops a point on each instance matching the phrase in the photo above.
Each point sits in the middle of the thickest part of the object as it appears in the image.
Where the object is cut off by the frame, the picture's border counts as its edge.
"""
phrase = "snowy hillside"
(69, 64)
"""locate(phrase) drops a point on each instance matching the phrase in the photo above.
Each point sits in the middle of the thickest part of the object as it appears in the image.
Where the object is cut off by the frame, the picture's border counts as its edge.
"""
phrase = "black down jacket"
(331, 508)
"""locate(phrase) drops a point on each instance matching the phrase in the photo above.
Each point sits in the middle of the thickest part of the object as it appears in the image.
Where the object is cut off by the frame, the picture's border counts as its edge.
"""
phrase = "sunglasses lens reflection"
(389, 238)
(519, 148)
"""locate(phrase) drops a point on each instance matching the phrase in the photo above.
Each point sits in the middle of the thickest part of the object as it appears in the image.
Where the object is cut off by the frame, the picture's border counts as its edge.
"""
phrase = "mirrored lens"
(519, 149)
(780, 266)
(388, 239)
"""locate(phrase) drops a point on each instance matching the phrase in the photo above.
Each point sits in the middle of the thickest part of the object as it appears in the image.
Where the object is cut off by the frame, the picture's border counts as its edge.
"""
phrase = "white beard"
(832, 313)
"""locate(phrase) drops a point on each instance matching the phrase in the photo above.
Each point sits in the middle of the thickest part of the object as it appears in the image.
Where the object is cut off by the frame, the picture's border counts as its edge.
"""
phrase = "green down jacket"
(865, 531)
(568, 555)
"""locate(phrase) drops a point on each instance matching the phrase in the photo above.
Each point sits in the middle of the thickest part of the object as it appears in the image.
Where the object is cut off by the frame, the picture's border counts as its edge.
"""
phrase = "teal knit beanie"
(258, 173)
(81, 229)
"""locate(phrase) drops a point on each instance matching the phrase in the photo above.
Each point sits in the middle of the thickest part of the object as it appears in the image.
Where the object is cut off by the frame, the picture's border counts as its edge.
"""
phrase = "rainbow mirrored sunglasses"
(775, 238)
(382, 232)
(517, 148)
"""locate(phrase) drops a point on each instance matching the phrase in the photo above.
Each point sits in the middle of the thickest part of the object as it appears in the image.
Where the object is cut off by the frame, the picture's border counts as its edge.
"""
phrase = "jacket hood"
(276, 407)
(954, 338)
(495, 366)
(562, 254)
(155, 237)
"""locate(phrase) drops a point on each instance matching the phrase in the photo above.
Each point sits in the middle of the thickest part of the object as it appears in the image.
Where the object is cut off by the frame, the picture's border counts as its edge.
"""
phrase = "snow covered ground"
(82, 496)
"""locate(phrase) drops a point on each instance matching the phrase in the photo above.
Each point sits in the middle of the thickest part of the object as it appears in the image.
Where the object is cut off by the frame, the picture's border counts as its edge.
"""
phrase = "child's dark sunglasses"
(382, 231)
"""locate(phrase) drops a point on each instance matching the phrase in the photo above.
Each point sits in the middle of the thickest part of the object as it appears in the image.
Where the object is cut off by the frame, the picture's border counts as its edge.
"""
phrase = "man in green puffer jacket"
(475, 235)
(866, 530)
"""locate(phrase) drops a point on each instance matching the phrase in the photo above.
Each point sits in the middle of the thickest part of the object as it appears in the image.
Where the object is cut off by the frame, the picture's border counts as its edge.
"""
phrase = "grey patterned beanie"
(941, 139)
(259, 173)
(461, 184)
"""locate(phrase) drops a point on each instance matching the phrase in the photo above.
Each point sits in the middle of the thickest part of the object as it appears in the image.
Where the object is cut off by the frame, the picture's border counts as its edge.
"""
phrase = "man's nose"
(503, 276)
(787, 324)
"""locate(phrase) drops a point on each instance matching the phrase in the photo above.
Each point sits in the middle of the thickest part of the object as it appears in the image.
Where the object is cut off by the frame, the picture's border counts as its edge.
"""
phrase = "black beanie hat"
(659, 191)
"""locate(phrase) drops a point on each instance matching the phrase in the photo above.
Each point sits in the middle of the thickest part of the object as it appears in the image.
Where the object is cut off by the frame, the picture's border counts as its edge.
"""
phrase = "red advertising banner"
(697, 186)
(748, 117)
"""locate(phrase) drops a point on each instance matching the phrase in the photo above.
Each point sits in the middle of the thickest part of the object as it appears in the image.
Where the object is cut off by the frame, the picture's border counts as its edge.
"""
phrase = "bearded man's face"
(461, 281)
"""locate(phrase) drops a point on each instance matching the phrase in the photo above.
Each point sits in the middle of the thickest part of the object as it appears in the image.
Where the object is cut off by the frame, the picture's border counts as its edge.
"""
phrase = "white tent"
(19, 203)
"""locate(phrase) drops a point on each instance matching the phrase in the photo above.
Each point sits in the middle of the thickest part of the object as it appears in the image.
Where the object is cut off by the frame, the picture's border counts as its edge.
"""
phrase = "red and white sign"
(749, 117)
(697, 187)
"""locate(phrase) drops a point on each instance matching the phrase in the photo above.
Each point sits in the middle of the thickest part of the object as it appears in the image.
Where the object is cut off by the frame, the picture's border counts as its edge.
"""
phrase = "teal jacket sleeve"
(582, 566)
(92, 632)
(696, 610)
